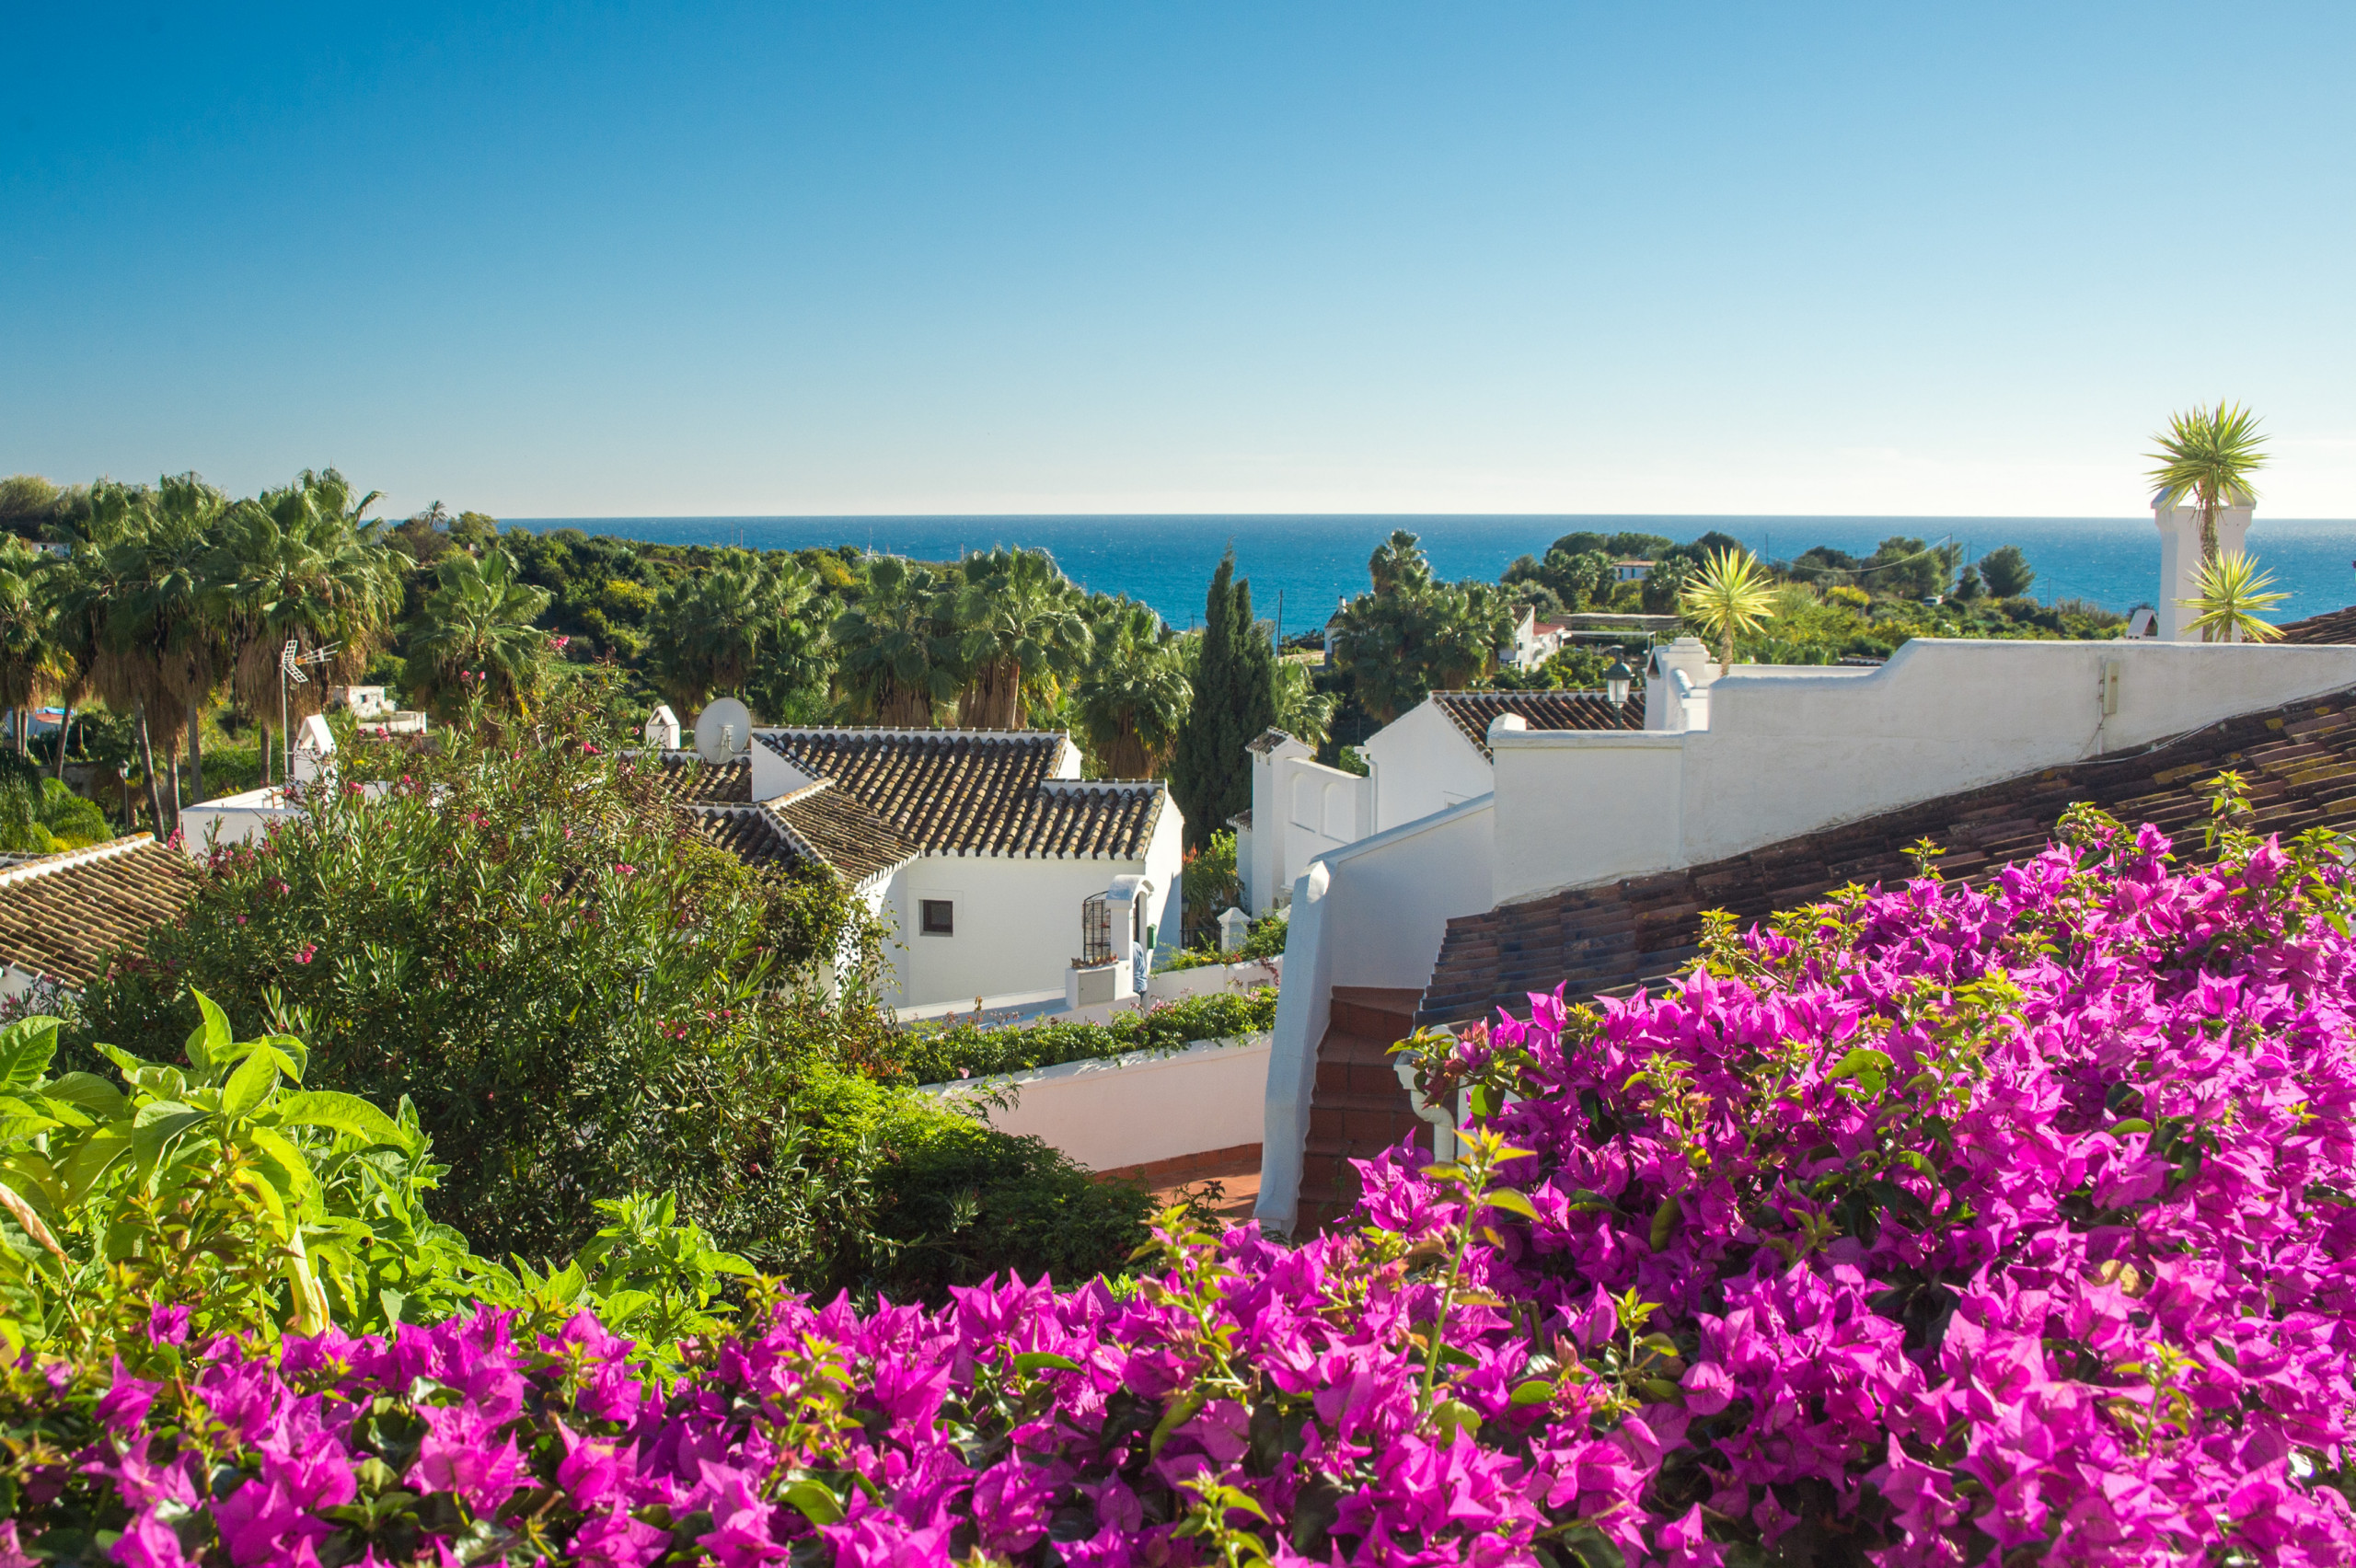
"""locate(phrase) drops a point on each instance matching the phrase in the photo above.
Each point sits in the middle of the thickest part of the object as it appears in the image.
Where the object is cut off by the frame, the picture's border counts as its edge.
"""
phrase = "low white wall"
(1134, 1109)
(1170, 985)
(1794, 750)
(1370, 915)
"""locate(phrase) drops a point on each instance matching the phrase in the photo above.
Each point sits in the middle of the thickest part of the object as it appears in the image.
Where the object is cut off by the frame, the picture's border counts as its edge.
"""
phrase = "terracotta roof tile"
(976, 792)
(1474, 711)
(691, 781)
(1617, 935)
(2332, 626)
(818, 824)
(63, 916)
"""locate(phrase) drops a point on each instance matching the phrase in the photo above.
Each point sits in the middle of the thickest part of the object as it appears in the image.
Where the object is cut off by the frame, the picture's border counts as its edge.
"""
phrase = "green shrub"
(227, 1195)
(70, 819)
(965, 1050)
(583, 999)
(921, 1196)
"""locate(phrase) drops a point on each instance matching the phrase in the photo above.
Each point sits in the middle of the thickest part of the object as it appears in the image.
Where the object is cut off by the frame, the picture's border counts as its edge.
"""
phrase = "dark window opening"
(937, 918)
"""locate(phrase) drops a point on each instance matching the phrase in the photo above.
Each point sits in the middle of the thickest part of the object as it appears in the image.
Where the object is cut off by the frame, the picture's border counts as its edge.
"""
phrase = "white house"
(1006, 877)
(1721, 766)
(1433, 757)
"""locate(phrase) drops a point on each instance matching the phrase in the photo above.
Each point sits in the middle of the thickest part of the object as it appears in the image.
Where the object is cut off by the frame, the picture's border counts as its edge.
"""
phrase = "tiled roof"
(1474, 711)
(2300, 762)
(976, 792)
(2332, 626)
(691, 781)
(61, 915)
(817, 825)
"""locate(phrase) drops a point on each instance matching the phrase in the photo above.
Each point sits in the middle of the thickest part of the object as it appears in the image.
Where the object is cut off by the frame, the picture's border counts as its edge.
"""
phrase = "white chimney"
(2180, 560)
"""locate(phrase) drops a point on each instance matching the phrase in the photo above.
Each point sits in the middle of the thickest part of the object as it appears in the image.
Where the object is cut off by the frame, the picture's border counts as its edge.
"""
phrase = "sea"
(1301, 567)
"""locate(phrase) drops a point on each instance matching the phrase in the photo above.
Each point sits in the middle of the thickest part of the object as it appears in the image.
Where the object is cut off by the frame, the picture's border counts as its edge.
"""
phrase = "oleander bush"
(928, 1053)
(583, 999)
(1935, 1225)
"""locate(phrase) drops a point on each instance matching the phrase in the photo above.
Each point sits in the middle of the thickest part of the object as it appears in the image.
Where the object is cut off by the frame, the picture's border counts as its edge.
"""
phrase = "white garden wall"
(1136, 1109)
(1794, 750)
(1421, 764)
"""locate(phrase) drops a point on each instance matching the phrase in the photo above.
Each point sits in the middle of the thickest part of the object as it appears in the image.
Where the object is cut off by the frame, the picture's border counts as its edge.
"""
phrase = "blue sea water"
(1302, 565)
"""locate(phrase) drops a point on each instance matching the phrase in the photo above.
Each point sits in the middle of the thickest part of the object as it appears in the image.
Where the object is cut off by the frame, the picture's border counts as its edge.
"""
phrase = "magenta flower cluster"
(1937, 1226)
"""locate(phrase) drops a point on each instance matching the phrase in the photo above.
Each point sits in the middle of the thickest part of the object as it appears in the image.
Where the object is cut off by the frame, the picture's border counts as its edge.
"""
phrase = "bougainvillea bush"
(1928, 1226)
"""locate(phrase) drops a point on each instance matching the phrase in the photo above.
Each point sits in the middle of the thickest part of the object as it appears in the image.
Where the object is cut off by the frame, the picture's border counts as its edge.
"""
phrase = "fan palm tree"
(2208, 456)
(473, 642)
(31, 666)
(1132, 701)
(296, 564)
(897, 662)
(715, 631)
(160, 651)
(2229, 593)
(1730, 595)
(1020, 632)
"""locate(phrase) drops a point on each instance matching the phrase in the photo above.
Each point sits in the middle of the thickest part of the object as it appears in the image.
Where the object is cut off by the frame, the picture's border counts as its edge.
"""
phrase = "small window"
(937, 917)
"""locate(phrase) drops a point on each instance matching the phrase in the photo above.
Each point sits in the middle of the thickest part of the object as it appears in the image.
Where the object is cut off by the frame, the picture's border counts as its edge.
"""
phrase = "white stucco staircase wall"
(1134, 1109)
(1372, 914)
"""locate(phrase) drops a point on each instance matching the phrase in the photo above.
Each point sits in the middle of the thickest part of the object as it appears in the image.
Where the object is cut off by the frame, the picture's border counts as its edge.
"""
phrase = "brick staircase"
(1357, 1109)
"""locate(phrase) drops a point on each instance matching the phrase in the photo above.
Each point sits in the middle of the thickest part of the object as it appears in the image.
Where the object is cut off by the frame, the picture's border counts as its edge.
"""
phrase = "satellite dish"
(723, 731)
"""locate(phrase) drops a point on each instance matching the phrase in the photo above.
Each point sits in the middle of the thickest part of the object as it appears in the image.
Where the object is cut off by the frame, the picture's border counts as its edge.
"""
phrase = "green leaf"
(1511, 1200)
(289, 1172)
(1665, 1221)
(1870, 1067)
(250, 1084)
(2133, 1124)
(337, 1113)
(26, 1047)
(1453, 1416)
(158, 1123)
(1035, 1361)
(1660, 1390)
(1176, 1415)
(210, 1041)
(1538, 1390)
(818, 1505)
(92, 1093)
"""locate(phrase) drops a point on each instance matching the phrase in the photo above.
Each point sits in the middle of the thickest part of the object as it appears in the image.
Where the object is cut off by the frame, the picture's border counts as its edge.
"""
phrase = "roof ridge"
(65, 859)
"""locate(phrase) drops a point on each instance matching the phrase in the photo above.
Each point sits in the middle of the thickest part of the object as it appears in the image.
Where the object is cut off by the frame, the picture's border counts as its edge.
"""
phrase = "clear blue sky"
(617, 260)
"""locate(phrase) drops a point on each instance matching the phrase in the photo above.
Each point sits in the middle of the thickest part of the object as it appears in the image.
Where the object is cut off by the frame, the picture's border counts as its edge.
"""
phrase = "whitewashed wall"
(1793, 750)
(1136, 1109)
(1421, 763)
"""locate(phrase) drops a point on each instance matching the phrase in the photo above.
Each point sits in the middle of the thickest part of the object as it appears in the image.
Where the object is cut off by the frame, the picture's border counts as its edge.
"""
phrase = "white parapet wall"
(1794, 750)
(1117, 1112)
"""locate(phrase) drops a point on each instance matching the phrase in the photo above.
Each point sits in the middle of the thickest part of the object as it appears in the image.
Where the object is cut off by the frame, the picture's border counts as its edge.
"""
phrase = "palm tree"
(1302, 711)
(2229, 591)
(713, 630)
(160, 653)
(31, 666)
(1730, 594)
(898, 662)
(297, 565)
(473, 641)
(1019, 633)
(2209, 455)
(1133, 699)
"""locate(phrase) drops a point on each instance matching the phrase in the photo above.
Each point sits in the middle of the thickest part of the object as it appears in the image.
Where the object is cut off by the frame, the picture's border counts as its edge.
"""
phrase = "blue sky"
(621, 260)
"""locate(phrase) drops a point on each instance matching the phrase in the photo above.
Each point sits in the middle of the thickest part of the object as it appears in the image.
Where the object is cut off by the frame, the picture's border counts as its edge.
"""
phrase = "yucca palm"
(2229, 593)
(1020, 633)
(473, 643)
(1730, 596)
(1133, 699)
(897, 661)
(2208, 456)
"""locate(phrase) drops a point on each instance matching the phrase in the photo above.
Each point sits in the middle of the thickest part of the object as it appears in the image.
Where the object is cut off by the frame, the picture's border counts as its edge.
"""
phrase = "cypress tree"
(1235, 699)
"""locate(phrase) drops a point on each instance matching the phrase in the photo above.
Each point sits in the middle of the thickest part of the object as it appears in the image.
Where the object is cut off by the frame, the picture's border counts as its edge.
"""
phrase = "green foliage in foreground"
(224, 1198)
(967, 1050)
(583, 1000)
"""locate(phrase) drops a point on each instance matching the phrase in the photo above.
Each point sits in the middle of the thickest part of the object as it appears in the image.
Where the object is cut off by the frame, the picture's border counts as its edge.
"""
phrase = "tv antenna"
(290, 660)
